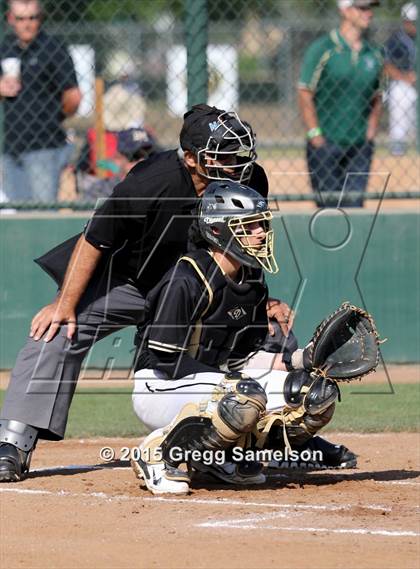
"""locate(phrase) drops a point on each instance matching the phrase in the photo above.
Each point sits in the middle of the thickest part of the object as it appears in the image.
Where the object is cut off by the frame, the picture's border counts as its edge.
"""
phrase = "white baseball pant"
(157, 401)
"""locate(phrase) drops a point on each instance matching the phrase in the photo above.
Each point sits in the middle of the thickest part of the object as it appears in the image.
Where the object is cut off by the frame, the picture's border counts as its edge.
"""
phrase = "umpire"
(125, 249)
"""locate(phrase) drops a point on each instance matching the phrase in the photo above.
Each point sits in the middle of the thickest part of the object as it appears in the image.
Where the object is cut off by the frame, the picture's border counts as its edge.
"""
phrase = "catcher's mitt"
(345, 346)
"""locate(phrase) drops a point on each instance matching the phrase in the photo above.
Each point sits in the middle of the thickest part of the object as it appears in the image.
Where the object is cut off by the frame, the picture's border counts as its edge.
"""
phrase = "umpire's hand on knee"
(50, 318)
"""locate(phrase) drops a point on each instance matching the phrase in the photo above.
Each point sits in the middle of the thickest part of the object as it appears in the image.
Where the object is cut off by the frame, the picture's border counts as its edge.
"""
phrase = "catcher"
(206, 321)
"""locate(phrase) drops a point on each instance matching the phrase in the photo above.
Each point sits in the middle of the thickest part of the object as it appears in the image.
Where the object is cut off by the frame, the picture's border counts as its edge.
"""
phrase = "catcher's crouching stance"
(200, 434)
(206, 321)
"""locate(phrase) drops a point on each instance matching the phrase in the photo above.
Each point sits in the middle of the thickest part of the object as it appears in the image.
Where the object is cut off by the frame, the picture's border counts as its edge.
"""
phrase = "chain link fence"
(78, 75)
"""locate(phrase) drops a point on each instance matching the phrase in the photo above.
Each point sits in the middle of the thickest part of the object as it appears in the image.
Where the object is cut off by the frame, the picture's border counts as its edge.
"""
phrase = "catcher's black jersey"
(200, 320)
(145, 221)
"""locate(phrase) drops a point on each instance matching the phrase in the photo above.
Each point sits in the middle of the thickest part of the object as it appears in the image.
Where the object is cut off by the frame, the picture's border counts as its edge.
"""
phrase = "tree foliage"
(218, 10)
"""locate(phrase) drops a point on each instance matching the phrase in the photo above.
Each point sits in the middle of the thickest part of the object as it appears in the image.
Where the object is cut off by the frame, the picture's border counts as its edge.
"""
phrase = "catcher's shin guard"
(310, 403)
(217, 424)
(235, 414)
(17, 441)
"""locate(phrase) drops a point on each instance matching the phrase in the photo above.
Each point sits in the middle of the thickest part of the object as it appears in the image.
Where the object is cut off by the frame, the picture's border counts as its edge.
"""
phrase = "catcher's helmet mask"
(226, 213)
(223, 144)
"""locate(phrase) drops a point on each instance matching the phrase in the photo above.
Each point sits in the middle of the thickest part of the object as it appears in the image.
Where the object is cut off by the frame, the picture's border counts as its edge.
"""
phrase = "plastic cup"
(11, 67)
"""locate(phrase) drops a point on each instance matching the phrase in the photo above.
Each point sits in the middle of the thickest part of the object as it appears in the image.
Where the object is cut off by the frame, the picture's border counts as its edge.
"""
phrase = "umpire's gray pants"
(44, 378)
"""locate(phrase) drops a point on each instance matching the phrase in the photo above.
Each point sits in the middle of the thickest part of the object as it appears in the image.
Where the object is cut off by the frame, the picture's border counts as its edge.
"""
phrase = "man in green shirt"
(340, 103)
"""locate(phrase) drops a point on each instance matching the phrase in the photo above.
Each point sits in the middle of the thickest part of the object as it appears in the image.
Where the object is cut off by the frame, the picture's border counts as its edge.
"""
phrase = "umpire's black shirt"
(147, 217)
(32, 119)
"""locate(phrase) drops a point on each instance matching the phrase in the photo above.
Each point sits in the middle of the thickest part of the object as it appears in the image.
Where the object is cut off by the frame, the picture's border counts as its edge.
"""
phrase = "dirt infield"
(396, 173)
(94, 514)
(289, 175)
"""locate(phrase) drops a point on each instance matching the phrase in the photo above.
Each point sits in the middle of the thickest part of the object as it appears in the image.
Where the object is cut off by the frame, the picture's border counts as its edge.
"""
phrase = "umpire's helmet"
(223, 144)
(226, 212)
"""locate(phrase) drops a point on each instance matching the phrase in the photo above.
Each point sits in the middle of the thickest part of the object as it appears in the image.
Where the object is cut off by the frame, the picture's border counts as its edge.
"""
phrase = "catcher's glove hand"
(345, 346)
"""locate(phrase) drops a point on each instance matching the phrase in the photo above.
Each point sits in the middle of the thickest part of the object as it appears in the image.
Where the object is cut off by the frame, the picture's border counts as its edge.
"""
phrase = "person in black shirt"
(136, 235)
(205, 322)
(37, 95)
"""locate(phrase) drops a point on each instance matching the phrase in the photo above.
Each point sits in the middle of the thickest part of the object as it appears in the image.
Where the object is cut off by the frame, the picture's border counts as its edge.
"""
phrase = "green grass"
(374, 408)
(108, 412)
(102, 412)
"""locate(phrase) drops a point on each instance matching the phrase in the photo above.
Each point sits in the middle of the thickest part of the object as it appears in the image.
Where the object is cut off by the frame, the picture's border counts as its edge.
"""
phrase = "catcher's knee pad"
(233, 411)
(310, 404)
(239, 411)
(315, 392)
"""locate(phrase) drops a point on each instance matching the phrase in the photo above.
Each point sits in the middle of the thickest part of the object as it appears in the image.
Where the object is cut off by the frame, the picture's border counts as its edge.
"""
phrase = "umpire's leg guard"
(17, 442)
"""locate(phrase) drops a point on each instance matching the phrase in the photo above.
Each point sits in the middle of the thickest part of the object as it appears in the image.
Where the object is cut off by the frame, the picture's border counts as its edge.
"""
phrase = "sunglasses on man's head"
(30, 18)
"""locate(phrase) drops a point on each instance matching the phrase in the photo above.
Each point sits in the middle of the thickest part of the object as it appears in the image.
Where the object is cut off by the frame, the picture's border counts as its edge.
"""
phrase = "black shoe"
(243, 472)
(328, 455)
(333, 456)
(14, 463)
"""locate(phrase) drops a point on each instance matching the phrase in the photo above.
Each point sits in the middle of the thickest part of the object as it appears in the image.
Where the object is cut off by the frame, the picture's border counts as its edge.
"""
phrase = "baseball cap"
(201, 123)
(409, 12)
(132, 141)
(358, 3)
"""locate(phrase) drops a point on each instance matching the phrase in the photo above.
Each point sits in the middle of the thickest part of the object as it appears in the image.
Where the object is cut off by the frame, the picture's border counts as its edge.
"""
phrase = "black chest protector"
(234, 324)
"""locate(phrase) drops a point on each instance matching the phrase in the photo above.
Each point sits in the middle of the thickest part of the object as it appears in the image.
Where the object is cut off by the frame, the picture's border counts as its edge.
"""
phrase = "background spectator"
(133, 146)
(340, 104)
(400, 65)
(39, 89)
(124, 109)
(124, 103)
